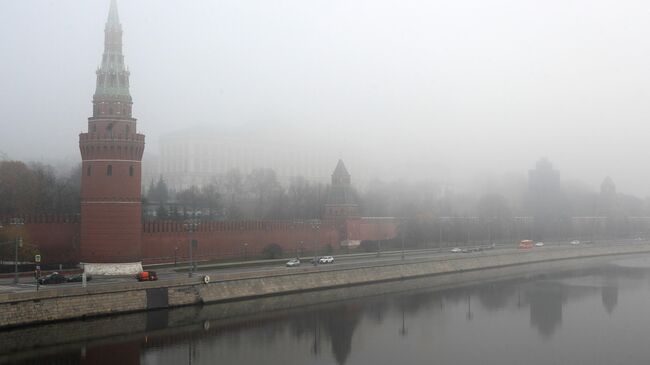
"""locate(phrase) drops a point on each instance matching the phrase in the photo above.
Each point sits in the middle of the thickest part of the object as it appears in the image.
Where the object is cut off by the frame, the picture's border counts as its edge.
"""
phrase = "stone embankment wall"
(18, 309)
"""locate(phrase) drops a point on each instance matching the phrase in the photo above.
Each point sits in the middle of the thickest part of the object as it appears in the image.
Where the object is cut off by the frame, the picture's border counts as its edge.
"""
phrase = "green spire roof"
(112, 75)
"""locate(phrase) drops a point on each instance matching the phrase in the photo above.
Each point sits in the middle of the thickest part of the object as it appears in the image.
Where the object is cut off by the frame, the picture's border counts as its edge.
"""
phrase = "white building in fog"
(197, 156)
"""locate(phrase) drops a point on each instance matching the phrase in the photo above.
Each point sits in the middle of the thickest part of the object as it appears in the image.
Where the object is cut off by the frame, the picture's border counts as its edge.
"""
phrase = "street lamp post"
(440, 235)
(316, 228)
(378, 247)
(18, 242)
(191, 227)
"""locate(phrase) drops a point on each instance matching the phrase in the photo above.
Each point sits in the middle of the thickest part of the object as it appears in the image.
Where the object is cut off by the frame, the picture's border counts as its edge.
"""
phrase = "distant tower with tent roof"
(342, 209)
(341, 202)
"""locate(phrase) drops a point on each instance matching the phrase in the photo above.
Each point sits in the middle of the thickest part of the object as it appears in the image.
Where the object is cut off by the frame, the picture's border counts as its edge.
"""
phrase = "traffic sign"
(37, 258)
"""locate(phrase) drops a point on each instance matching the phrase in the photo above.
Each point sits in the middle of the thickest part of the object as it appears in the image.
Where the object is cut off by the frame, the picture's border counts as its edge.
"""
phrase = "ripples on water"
(595, 315)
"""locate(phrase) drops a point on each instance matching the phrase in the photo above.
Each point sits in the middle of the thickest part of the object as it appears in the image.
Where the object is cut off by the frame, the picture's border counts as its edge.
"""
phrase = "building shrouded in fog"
(197, 156)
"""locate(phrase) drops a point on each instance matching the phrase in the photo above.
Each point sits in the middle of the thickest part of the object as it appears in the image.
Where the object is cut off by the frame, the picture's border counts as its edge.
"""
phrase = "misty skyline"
(408, 89)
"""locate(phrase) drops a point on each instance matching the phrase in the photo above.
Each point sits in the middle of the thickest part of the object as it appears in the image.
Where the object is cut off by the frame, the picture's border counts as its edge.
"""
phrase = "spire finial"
(113, 16)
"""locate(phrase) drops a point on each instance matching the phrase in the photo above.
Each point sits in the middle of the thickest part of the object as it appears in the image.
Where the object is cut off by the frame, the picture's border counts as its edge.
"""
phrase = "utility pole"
(316, 227)
(191, 227)
(378, 248)
(18, 243)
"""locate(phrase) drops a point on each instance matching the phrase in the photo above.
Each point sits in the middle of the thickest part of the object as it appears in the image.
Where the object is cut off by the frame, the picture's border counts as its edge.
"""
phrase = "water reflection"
(451, 325)
(610, 298)
(546, 301)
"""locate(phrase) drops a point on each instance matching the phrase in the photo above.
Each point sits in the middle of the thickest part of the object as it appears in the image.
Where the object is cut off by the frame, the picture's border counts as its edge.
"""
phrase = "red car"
(147, 276)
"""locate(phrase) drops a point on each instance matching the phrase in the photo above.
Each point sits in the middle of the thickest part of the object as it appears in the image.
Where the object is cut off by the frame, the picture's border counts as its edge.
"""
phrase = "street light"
(402, 246)
(18, 243)
(379, 247)
(316, 227)
(298, 246)
(191, 225)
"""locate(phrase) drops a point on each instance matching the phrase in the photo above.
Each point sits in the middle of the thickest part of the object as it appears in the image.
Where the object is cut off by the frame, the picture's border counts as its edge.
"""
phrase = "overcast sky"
(446, 89)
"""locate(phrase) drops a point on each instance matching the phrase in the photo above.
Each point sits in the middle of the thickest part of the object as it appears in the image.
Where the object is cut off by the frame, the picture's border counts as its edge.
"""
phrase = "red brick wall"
(111, 232)
(373, 229)
(225, 240)
(58, 239)
(56, 242)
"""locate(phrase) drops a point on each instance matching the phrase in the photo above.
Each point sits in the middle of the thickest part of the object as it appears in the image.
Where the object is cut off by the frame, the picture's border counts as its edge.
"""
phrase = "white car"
(539, 244)
(326, 260)
(575, 242)
(456, 250)
(293, 262)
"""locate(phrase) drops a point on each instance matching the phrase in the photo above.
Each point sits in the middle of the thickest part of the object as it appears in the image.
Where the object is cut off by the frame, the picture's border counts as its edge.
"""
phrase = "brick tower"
(111, 152)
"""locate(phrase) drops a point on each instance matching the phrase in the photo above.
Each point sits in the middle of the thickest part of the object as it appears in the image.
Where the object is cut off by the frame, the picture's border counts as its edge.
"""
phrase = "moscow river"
(596, 314)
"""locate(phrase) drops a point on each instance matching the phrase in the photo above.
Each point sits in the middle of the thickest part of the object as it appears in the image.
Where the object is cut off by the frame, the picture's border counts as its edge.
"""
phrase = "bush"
(368, 246)
(272, 251)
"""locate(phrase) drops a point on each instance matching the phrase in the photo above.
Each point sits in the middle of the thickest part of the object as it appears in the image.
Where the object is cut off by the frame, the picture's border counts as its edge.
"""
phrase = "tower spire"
(112, 95)
(113, 16)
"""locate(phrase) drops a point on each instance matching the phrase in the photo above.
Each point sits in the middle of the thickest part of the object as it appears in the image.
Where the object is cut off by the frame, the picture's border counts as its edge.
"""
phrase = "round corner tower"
(111, 152)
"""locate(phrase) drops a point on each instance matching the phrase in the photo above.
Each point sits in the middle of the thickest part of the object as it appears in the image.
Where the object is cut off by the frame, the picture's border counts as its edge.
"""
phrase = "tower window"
(131, 170)
(88, 171)
(109, 170)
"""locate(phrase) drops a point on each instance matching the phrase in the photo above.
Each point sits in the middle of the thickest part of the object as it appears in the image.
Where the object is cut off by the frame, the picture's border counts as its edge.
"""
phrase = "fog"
(460, 92)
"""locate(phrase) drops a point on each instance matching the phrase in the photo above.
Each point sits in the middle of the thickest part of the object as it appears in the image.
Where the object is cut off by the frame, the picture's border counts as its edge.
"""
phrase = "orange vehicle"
(526, 244)
(147, 276)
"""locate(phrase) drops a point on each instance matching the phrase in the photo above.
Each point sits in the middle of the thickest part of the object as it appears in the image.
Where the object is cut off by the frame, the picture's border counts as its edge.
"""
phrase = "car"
(575, 242)
(78, 278)
(147, 276)
(456, 250)
(539, 244)
(293, 262)
(53, 278)
(326, 260)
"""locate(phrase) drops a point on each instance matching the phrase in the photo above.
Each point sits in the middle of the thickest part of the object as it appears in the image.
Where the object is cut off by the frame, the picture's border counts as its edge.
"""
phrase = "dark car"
(53, 278)
(147, 276)
(78, 278)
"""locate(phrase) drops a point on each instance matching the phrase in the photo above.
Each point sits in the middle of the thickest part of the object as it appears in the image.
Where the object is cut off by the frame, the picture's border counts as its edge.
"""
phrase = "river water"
(598, 314)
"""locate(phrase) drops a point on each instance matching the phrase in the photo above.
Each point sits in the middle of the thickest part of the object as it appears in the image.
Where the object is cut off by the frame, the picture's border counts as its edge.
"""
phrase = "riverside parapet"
(17, 309)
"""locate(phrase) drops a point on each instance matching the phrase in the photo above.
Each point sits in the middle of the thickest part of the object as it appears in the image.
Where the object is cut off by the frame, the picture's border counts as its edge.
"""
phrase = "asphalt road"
(224, 272)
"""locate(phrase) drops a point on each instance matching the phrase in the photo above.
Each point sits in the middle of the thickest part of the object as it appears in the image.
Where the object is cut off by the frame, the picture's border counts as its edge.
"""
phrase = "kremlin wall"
(58, 238)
